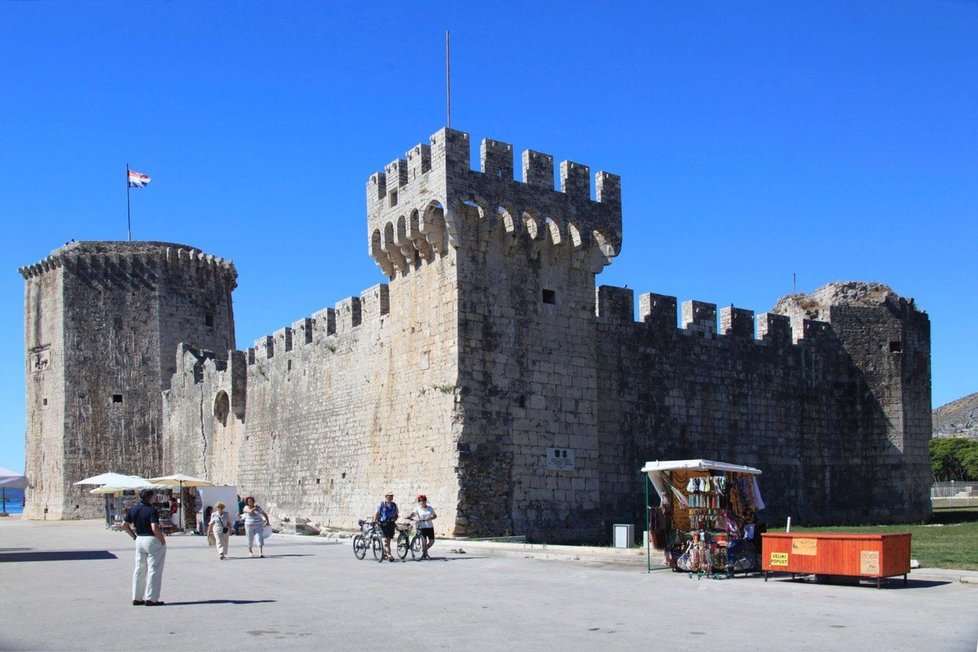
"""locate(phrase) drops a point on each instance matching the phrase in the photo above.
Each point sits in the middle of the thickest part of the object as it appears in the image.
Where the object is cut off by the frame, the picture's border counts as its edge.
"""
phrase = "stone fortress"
(490, 372)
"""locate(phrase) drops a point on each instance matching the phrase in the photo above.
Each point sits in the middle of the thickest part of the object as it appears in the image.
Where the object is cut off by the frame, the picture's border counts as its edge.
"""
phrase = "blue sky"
(755, 140)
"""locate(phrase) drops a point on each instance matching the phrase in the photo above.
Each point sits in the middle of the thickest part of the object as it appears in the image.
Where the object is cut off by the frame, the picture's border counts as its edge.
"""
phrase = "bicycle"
(369, 537)
(403, 539)
(419, 544)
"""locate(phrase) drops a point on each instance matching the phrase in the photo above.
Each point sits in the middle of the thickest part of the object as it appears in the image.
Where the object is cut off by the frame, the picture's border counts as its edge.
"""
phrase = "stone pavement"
(65, 586)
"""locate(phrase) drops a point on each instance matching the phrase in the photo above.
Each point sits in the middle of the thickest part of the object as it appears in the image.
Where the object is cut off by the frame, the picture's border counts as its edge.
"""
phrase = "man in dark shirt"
(387, 517)
(142, 522)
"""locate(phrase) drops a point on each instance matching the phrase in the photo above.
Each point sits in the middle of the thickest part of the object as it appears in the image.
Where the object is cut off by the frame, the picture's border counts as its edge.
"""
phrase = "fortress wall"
(526, 255)
(803, 413)
(339, 407)
(45, 374)
(896, 339)
(112, 328)
(203, 424)
(119, 305)
(527, 368)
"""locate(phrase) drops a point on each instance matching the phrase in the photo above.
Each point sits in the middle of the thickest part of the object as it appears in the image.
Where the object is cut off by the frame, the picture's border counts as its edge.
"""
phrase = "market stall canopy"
(657, 468)
(105, 478)
(126, 483)
(13, 480)
(698, 465)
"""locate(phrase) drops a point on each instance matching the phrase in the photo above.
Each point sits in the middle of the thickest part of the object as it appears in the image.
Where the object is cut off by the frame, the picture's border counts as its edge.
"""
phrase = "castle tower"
(102, 325)
(518, 259)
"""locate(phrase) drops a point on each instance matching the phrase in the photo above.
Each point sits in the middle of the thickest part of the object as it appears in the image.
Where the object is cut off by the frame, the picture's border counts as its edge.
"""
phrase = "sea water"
(15, 500)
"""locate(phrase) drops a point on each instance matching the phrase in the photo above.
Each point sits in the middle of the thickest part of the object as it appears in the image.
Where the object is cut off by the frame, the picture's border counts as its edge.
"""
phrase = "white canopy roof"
(126, 483)
(105, 478)
(656, 469)
(698, 465)
(10, 479)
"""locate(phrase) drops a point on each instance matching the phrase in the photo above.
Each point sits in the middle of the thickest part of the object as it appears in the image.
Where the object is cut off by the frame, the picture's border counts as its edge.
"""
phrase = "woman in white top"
(220, 528)
(255, 520)
(425, 514)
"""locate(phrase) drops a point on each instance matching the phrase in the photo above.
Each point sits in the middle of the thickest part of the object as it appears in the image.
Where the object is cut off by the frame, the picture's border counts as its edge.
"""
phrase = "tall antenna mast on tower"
(448, 78)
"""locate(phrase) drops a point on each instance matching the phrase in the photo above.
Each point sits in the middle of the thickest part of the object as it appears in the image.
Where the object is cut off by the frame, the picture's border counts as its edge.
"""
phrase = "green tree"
(954, 458)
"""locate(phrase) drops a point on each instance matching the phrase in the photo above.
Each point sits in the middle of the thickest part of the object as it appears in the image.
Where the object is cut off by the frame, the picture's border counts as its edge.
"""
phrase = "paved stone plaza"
(65, 586)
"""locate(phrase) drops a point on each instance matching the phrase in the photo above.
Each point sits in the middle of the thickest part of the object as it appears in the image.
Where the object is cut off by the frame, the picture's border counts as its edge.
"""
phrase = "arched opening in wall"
(414, 224)
(437, 231)
(222, 407)
(401, 230)
(575, 234)
(553, 229)
(506, 217)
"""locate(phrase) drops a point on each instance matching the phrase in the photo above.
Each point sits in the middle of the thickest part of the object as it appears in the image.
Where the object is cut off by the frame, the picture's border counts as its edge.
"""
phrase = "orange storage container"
(858, 555)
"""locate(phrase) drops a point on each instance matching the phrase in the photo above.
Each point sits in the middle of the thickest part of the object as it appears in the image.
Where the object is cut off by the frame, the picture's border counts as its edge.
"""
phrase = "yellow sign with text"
(779, 559)
(869, 562)
(805, 547)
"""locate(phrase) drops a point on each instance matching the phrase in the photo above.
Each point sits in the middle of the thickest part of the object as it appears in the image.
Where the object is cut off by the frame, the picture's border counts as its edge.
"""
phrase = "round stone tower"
(102, 324)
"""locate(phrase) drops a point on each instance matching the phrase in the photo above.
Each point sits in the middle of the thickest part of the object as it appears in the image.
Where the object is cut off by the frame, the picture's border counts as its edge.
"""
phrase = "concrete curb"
(624, 557)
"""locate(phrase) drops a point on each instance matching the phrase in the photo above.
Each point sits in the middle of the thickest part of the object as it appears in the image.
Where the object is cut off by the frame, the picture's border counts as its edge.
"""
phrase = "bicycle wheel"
(417, 546)
(378, 547)
(359, 546)
(403, 545)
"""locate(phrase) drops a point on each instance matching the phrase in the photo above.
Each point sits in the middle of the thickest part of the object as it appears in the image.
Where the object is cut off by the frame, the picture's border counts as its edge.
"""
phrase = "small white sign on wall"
(560, 459)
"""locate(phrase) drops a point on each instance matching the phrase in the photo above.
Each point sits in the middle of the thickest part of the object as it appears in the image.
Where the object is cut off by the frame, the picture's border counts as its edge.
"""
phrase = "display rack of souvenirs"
(705, 522)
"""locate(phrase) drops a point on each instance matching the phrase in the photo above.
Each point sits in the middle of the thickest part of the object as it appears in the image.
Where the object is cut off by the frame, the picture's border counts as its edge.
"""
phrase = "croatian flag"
(138, 179)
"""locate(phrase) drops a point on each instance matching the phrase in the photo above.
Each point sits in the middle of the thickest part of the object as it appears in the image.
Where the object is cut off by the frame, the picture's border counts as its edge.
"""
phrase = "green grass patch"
(948, 541)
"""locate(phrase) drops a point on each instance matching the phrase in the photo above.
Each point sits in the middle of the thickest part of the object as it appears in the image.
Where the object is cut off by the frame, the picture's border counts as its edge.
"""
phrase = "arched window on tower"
(222, 407)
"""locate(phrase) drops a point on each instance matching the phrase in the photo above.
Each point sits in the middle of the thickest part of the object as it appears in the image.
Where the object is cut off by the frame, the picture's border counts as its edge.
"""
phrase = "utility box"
(624, 535)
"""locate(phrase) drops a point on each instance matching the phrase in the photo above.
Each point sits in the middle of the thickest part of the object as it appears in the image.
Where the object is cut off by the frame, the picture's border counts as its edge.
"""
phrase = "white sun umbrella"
(126, 483)
(105, 478)
(182, 480)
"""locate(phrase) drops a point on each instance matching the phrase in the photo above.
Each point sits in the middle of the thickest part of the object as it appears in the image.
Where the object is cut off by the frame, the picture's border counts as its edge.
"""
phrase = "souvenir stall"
(703, 516)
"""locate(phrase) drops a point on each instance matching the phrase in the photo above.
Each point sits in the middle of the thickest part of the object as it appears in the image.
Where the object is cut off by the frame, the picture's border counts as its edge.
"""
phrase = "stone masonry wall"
(122, 304)
(805, 413)
(45, 379)
(526, 255)
(337, 409)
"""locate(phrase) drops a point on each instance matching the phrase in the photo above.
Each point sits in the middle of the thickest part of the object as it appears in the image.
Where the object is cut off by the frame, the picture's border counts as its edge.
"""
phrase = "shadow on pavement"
(268, 556)
(56, 555)
(889, 583)
(192, 602)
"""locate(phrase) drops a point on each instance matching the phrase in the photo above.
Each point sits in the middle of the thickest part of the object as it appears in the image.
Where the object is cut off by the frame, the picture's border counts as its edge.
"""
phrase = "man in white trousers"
(142, 522)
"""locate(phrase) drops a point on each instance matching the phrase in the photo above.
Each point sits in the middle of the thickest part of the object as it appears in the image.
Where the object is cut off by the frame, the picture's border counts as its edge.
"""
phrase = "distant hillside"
(958, 418)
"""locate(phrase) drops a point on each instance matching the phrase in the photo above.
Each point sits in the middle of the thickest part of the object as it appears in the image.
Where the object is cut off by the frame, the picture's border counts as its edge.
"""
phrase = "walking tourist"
(425, 514)
(386, 516)
(142, 522)
(255, 521)
(220, 528)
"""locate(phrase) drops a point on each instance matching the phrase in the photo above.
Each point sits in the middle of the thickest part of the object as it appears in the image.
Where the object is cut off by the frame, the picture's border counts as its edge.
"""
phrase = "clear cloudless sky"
(834, 140)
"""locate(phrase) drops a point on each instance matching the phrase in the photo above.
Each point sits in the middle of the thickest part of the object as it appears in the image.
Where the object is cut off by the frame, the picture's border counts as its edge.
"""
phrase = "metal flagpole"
(448, 77)
(128, 209)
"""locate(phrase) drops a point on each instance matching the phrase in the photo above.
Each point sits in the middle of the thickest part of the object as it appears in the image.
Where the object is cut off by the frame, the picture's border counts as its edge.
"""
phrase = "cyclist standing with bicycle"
(386, 516)
(425, 514)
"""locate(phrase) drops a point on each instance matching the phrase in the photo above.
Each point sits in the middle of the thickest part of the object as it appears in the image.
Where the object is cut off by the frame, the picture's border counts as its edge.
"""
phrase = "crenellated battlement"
(345, 318)
(430, 200)
(658, 312)
(132, 258)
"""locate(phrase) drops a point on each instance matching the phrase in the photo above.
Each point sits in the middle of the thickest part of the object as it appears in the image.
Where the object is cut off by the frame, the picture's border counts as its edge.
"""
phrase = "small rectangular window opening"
(896, 347)
(209, 319)
(117, 398)
(550, 296)
(44, 401)
(393, 198)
